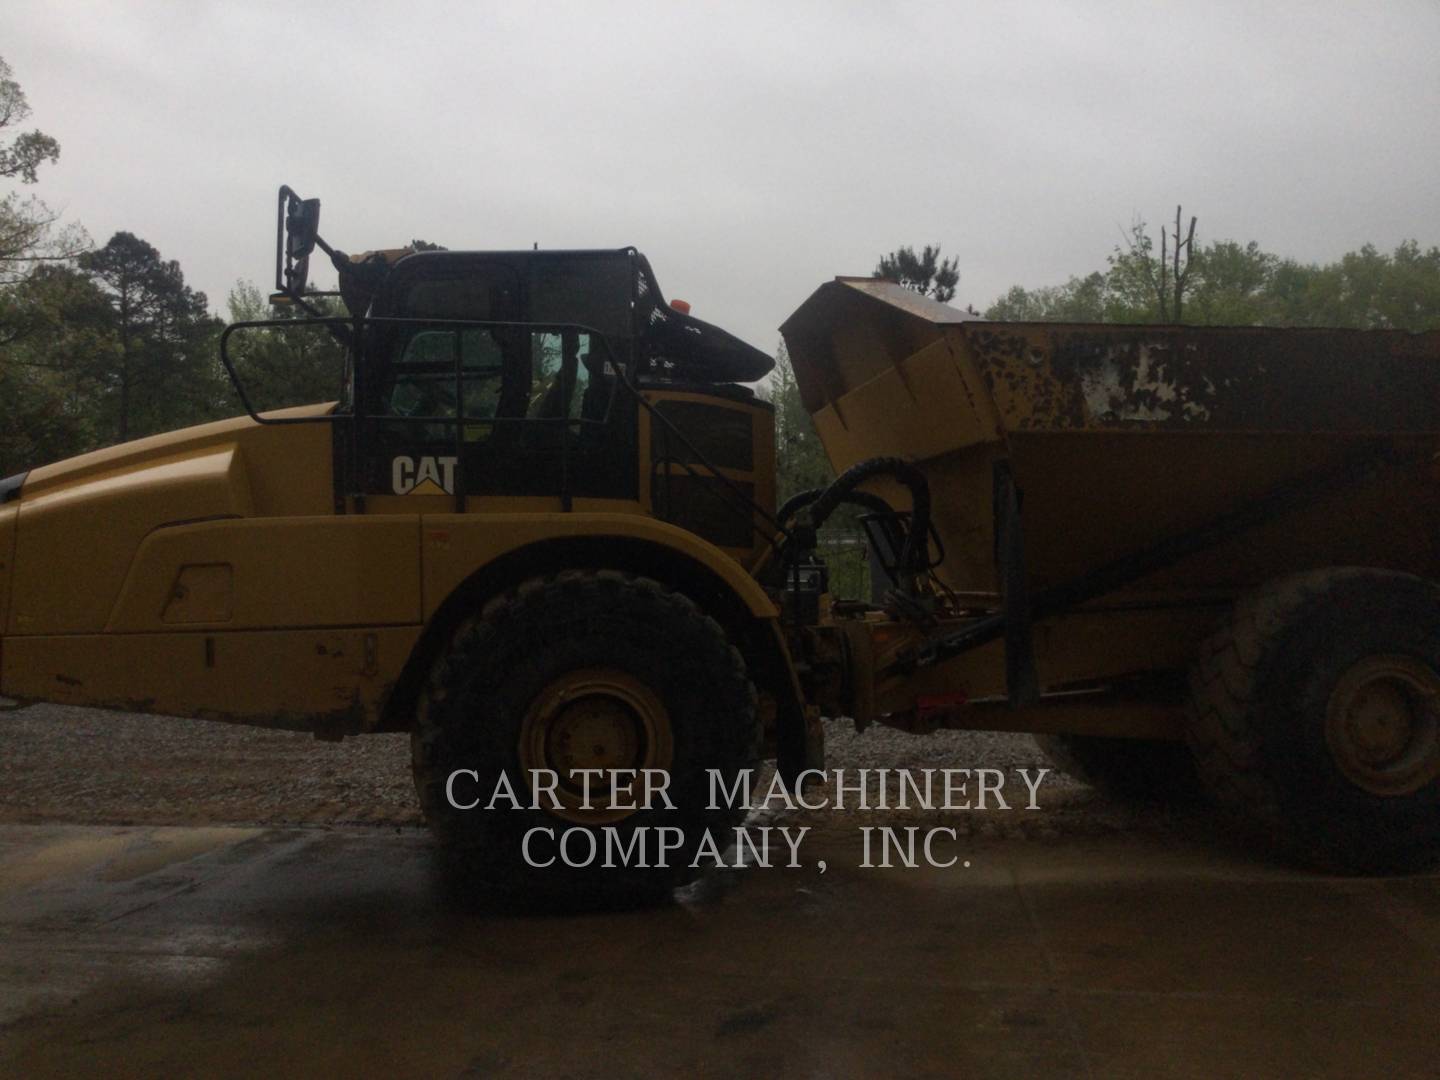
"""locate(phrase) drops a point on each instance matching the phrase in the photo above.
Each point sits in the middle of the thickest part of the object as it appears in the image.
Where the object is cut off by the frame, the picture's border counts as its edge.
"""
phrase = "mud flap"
(800, 740)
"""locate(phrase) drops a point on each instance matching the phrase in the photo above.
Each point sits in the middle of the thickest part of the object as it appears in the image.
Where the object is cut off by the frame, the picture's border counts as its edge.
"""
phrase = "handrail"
(623, 372)
(286, 324)
(455, 326)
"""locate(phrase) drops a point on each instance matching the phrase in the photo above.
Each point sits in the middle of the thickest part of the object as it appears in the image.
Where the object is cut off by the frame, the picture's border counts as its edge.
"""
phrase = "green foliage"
(1234, 284)
(1367, 288)
(52, 333)
(26, 152)
(29, 238)
(1231, 284)
(1078, 300)
(297, 366)
(28, 229)
(1133, 280)
(801, 465)
(926, 273)
(56, 346)
(165, 375)
(847, 558)
(94, 345)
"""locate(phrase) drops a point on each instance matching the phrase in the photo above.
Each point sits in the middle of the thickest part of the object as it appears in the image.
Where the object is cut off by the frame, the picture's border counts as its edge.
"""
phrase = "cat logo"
(423, 476)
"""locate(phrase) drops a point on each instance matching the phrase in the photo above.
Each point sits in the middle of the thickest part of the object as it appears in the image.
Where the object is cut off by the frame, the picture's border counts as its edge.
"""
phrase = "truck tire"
(1136, 770)
(585, 669)
(1313, 719)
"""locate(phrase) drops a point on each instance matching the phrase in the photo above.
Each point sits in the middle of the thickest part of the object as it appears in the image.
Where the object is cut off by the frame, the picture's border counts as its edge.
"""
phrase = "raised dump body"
(1122, 437)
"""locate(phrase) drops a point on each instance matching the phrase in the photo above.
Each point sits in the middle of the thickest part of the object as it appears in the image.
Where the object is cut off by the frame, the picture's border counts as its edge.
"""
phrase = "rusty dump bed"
(1121, 437)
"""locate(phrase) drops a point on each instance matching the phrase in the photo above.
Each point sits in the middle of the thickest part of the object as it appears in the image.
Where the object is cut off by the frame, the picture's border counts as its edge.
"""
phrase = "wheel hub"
(1382, 724)
(598, 718)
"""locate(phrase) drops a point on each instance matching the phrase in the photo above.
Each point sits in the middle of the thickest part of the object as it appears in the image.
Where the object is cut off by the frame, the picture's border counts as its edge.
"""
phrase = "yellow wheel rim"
(598, 718)
(1382, 724)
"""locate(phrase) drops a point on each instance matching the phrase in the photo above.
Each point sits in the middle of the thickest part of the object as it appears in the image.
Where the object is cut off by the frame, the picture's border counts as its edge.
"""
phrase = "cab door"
(485, 385)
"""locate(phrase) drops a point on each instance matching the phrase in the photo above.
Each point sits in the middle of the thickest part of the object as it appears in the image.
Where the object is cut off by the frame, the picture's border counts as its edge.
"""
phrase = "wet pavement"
(292, 951)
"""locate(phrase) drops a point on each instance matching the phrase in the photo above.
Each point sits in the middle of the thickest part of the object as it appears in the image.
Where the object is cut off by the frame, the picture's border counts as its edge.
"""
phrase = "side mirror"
(299, 229)
(302, 225)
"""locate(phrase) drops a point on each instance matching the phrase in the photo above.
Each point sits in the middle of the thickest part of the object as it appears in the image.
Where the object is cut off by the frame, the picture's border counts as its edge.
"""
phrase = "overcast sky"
(752, 151)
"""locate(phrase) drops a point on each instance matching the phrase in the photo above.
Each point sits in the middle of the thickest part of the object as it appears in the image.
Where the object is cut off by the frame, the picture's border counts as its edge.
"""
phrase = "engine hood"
(142, 453)
(80, 522)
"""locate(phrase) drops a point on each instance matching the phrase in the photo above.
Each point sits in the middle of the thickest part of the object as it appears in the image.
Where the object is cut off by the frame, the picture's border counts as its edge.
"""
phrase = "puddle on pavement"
(112, 855)
(159, 848)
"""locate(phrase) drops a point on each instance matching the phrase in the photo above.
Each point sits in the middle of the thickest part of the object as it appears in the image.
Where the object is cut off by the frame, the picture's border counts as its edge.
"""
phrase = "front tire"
(584, 670)
(1314, 719)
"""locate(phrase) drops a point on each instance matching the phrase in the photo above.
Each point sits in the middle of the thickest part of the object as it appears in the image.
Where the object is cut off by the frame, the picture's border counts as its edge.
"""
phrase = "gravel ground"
(84, 766)
(70, 765)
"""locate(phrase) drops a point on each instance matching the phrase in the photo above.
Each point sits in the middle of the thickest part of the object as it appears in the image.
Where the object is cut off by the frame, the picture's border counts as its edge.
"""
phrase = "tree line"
(101, 344)
(1230, 283)
(1220, 283)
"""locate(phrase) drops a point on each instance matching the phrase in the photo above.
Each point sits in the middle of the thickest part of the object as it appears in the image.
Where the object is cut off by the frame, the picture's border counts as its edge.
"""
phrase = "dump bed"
(1120, 437)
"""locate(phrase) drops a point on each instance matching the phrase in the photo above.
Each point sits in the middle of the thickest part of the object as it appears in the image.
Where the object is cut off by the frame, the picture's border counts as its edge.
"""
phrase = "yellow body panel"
(454, 546)
(1120, 437)
(290, 572)
(8, 515)
(311, 680)
(924, 391)
(210, 572)
(288, 467)
(85, 533)
(82, 521)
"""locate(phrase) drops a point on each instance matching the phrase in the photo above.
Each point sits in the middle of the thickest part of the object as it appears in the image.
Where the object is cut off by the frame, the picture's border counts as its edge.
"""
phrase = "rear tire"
(583, 670)
(1135, 770)
(1313, 719)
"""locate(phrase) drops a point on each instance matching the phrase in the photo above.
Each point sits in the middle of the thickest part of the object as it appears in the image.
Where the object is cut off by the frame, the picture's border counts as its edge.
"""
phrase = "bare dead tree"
(1178, 275)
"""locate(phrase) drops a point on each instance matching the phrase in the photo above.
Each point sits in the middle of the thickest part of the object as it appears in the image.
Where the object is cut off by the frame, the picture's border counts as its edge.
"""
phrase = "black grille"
(723, 437)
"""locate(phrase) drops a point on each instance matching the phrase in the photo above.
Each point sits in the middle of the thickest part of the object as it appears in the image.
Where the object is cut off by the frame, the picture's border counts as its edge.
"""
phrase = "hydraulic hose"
(874, 503)
(820, 506)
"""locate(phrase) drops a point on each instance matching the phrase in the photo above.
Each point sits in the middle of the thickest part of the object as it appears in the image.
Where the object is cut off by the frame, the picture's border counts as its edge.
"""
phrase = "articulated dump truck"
(538, 530)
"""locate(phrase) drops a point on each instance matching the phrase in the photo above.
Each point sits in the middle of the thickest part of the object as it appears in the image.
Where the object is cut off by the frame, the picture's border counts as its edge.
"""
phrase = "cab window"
(425, 382)
(567, 377)
(533, 406)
